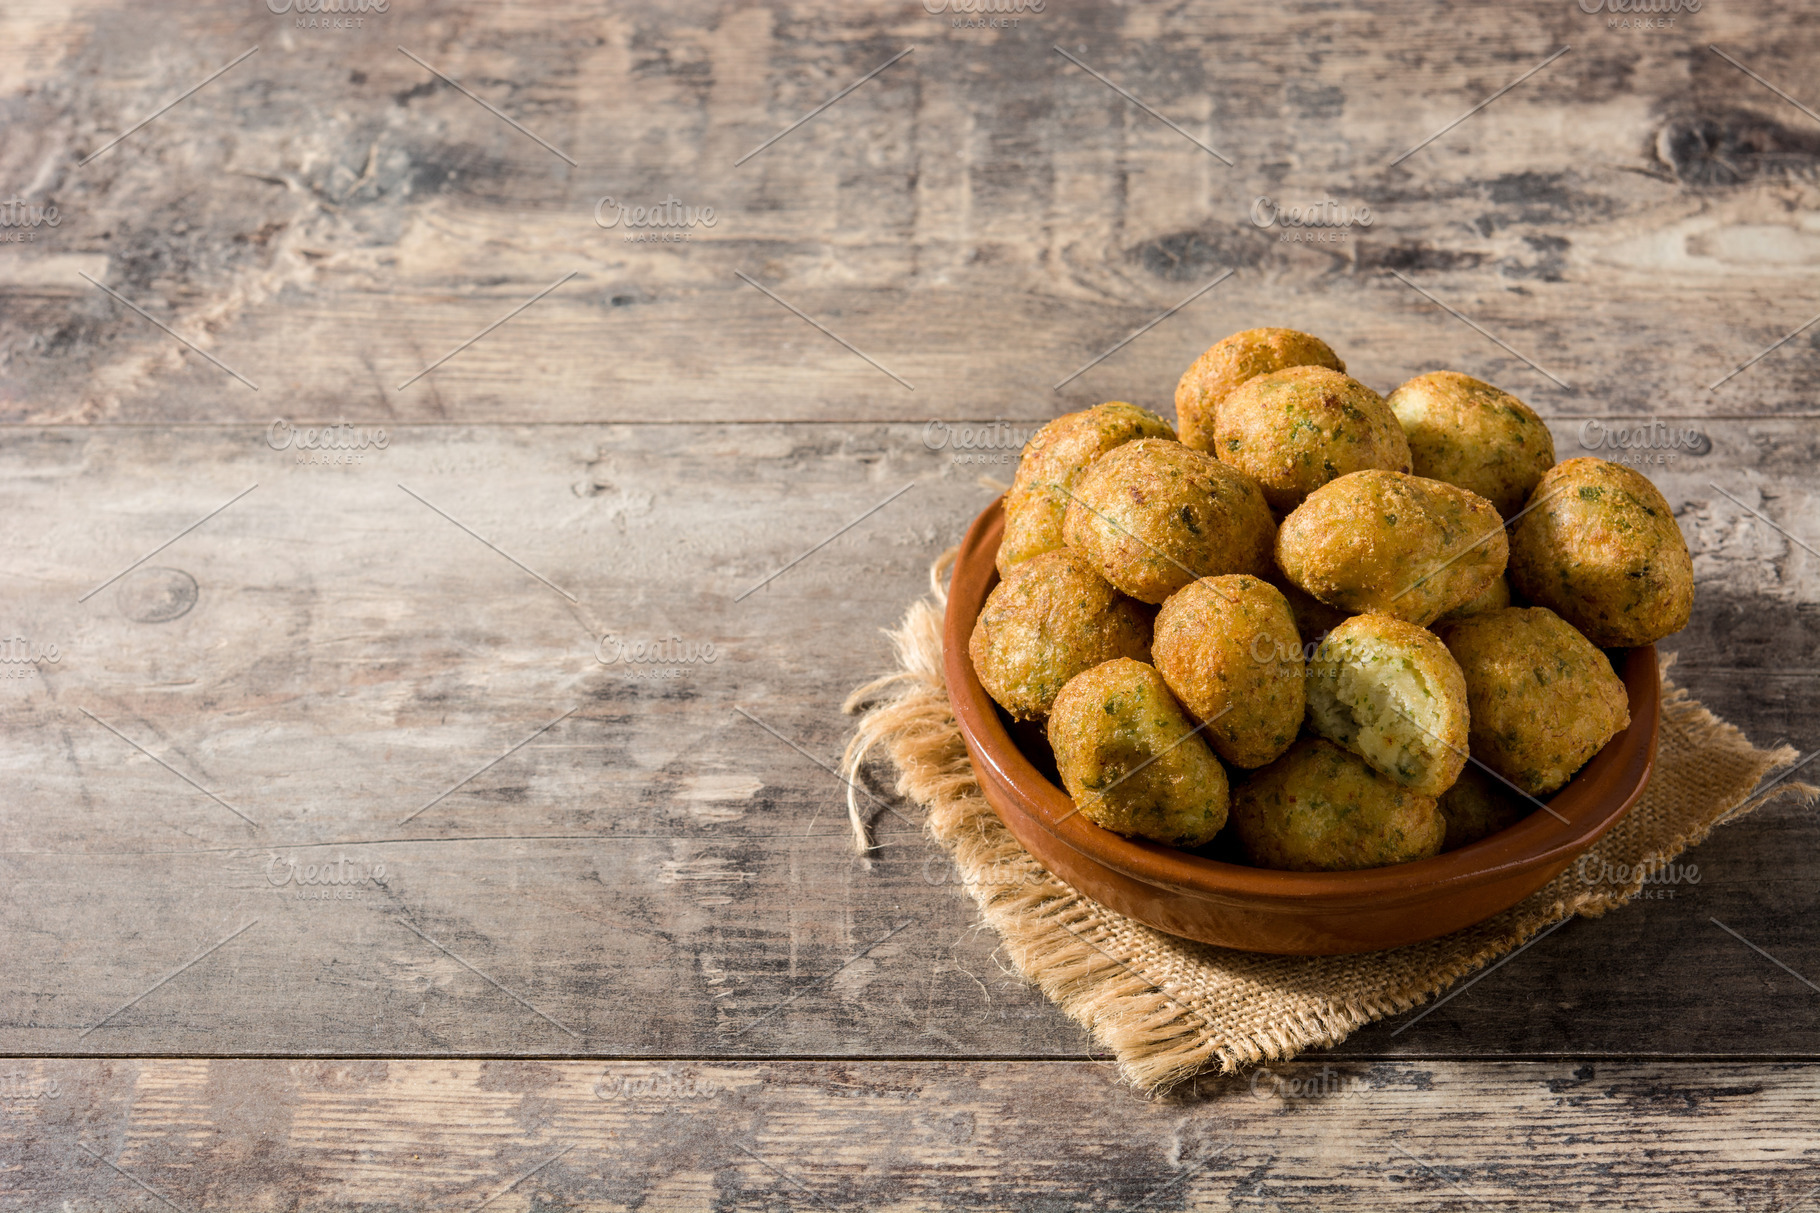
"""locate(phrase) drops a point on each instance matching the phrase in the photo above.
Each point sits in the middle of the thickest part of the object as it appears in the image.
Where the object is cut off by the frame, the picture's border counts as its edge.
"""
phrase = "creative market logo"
(666, 1086)
(20, 656)
(656, 659)
(1324, 222)
(989, 442)
(341, 879)
(20, 220)
(667, 222)
(1639, 14)
(338, 445)
(983, 14)
(328, 14)
(1651, 444)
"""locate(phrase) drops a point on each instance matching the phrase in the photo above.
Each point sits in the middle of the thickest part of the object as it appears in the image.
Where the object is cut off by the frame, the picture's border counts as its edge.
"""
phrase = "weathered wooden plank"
(655, 873)
(654, 814)
(334, 1135)
(983, 218)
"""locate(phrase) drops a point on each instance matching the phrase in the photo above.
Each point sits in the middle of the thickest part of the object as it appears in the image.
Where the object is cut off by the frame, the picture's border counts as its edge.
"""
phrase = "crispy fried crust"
(1052, 618)
(1468, 433)
(1052, 461)
(1478, 806)
(1153, 516)
(1495, 598)
(1131, 759)
(1230, 362)
(1313, 618)
(1601, 549)
(1543, 700)
(1319, 808)
(1295, 430)
(1393, 544)
(1229, 649)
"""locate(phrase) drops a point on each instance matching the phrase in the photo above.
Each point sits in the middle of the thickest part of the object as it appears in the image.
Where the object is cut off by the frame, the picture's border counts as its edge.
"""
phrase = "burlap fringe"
(1065, 943)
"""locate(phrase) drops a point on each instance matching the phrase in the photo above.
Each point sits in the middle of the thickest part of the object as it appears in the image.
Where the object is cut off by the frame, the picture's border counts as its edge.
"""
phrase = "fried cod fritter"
(1356, 629)
(1295, 430)
(1132, 761)
(1495, 598)
(1600, 548)
(1153, 516)
(1479, 805)
(1050, 619)
(1052, 461)
(1393, 544)
(1542, 699)
(1229, 649)
(1390, 692)
(1320, 808)
(1468, 433)
(1313, 618)
(1229, 363)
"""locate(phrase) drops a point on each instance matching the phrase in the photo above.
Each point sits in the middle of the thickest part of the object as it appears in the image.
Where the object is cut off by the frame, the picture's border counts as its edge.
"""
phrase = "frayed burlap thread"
(1168, 1008)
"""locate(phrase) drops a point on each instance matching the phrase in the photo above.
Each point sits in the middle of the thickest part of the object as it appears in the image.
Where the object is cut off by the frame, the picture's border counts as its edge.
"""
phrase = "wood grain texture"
(982, 218)
(610, 861)
(319, 1135)
(655, 873)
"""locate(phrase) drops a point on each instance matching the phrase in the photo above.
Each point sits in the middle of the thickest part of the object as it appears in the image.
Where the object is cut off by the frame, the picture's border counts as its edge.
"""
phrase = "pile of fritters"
(1295, 631)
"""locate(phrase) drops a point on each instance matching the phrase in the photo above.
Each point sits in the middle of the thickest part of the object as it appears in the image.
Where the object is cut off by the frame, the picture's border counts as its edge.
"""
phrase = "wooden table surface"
(347, 860)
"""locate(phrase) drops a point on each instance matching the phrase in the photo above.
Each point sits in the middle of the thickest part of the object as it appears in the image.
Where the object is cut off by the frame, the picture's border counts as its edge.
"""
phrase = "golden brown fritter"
(1319, 808)
(1468, 433)
(1229, 649)
(1543, 700)
(1393, 544)
(1601, 548)
(1050, 619)
(1495, 598)
(1479, 805)
(1313, 618)
(1230, 362)
(1052, 460)
(1153, 516)
(1295, 430)
(1131, 759)
(1390, 692)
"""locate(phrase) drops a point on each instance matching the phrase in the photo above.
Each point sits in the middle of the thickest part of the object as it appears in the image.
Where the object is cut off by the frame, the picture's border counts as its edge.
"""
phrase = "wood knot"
(1733, 146)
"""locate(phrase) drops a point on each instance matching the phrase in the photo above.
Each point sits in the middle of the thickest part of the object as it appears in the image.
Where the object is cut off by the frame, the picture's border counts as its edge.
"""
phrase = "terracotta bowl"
(1255, 909)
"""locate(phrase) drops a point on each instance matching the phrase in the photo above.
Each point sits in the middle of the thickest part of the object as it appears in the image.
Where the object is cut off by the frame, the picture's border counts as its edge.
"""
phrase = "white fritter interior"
(1366, 701)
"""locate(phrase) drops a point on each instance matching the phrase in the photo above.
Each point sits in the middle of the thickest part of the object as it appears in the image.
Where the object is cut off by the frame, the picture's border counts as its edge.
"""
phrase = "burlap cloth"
(1168, 1007)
